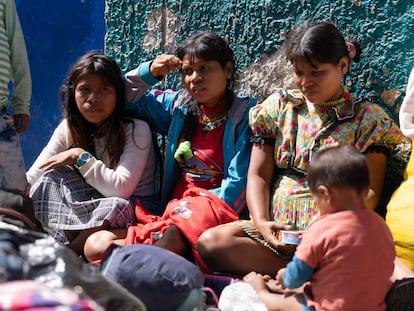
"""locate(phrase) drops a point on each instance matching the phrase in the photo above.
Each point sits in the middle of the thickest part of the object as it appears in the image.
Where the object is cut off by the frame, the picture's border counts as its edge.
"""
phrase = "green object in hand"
(183, 152)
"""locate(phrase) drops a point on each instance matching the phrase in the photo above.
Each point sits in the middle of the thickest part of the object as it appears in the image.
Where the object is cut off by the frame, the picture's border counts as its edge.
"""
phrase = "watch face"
(85, 156)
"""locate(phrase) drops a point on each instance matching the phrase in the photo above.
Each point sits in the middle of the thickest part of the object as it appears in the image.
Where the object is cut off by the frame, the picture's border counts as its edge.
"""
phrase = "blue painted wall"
(57, 32)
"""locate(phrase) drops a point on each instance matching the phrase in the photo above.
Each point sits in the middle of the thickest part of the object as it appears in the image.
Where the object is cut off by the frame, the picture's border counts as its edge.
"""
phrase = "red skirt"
(197, 211)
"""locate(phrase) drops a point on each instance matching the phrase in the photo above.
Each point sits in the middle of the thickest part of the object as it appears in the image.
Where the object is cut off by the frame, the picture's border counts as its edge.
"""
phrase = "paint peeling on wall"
(265, 76)
(257, 29)
(166, 21)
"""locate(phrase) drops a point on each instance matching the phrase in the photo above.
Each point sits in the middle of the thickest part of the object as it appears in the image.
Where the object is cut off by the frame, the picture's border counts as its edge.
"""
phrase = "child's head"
(208, 68)
(339, 167)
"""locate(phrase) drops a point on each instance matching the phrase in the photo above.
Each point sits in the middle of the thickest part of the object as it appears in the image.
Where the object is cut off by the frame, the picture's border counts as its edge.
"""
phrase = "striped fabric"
(5, 75)
(14, 62)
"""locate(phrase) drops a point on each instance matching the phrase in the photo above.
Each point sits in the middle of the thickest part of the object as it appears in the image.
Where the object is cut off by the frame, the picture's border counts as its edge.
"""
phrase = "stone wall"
(257, 29)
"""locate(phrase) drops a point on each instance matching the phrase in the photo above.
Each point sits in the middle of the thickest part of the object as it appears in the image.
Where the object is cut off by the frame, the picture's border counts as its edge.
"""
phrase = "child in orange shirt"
(346, 256)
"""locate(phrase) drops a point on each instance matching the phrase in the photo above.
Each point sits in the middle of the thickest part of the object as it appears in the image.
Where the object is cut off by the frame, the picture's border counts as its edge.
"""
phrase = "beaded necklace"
(336, 102)
(213, 117)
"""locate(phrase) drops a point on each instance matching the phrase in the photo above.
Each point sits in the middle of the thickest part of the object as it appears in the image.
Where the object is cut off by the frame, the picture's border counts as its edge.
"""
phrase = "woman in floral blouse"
(288, 128)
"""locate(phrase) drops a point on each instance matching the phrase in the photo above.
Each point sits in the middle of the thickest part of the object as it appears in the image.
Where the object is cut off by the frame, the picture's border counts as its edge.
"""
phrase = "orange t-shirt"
(353, 255)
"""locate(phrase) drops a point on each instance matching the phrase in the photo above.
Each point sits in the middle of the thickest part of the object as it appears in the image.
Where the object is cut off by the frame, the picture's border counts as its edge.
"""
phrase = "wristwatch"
(83, 158)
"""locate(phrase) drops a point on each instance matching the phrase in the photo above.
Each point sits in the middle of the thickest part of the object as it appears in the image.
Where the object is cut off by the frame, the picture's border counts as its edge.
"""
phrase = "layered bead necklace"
(211, 118)
(333, 103)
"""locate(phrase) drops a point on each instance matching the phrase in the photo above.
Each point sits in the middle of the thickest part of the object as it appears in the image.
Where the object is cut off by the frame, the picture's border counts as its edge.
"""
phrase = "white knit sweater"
(133, 175)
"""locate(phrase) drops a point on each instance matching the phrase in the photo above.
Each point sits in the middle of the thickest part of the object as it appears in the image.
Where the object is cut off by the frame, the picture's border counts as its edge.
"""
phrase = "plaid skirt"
(63, 200)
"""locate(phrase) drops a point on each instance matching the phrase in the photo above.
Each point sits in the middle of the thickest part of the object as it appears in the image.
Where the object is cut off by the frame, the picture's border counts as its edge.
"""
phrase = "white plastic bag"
(240, 296)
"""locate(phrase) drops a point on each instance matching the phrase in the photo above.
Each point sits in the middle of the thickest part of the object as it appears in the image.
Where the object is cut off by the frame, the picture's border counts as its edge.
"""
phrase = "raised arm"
(138, 80)
(155, 106)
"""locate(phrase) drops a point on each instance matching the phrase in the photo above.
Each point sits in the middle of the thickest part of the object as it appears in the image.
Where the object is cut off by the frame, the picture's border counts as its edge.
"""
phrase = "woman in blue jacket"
(207, 151)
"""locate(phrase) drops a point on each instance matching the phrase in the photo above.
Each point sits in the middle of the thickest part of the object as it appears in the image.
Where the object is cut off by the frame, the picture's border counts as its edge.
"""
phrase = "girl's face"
(95, 98)
(320, 83)
(206, 81)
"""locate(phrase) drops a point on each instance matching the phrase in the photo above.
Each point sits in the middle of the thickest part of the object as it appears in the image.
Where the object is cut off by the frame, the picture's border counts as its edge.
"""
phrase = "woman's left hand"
(68, 157)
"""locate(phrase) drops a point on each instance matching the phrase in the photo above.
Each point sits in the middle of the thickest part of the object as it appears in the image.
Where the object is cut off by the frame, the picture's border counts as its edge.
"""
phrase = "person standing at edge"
(401, 205)
(14, 67)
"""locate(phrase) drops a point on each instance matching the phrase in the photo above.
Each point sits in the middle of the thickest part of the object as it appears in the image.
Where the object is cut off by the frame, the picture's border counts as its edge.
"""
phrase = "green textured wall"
(256, 29)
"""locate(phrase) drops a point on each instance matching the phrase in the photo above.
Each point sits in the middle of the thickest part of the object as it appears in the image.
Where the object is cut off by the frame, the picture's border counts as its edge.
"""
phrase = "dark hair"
(112, 129)
(320, 41)
(208, 46)
(341, 166)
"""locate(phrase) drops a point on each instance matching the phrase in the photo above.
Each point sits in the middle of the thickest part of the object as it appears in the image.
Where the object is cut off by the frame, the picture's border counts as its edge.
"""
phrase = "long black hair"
(320, 41)
(112, 129)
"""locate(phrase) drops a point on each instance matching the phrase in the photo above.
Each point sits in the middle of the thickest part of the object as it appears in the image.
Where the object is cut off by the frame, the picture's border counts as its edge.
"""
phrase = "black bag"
(18, 226)
(58, 266)
(28, 253)
(12, 237)
(400, 296)
(17, 209)
(11, 264)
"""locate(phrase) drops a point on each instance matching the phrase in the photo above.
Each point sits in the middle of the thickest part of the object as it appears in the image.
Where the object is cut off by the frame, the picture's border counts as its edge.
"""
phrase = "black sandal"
(401, 295)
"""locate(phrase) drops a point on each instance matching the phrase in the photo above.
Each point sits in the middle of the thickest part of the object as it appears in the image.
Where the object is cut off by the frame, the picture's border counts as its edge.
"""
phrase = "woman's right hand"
(163, 64)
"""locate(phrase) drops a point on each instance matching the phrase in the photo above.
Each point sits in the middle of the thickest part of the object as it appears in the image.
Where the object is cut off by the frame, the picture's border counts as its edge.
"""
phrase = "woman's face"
(95, 98)
(322, 82)
(206, 81)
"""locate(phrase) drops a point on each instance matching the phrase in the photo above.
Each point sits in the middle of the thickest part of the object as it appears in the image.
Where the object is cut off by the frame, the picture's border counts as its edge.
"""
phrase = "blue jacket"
(166, 111)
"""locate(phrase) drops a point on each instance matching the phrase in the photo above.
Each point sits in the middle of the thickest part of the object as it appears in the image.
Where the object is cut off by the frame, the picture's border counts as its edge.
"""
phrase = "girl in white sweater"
(97, 163)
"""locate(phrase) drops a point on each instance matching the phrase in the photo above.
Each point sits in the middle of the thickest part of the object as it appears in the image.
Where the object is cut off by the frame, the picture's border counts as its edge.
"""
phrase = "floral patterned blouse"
(298, 129)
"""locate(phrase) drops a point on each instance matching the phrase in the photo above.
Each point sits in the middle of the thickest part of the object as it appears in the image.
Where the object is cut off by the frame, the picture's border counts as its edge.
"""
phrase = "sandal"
(401, 295)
